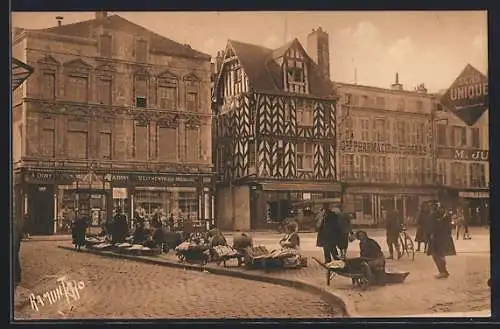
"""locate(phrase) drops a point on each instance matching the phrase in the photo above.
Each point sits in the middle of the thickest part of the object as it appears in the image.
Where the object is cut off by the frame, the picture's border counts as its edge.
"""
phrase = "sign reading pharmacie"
(468, 97)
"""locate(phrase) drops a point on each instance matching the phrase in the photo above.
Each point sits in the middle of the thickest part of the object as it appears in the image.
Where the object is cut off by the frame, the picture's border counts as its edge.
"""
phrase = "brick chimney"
(101, 14)
(319, 49)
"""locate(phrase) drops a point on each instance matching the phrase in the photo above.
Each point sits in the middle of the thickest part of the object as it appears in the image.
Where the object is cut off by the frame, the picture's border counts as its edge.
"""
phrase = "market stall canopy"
(20, 72)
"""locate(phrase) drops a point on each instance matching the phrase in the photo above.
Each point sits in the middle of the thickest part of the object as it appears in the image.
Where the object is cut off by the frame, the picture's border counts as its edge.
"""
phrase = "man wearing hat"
(328, 233)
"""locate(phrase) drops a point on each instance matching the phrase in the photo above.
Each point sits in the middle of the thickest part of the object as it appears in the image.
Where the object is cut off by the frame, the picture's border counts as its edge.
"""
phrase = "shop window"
(77, 88)
(48, 85)
(188, 205)
(104, 90)
(305, 156)
(192, 145)
(140, 140)
(167, 143)
(477, 175)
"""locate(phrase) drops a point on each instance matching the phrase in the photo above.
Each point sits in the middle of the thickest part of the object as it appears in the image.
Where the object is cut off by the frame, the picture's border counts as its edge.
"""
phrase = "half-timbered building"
(114, 115)
(274, 132)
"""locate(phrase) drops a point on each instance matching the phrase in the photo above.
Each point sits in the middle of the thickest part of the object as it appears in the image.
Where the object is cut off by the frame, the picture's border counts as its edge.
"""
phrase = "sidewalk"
(464, 291)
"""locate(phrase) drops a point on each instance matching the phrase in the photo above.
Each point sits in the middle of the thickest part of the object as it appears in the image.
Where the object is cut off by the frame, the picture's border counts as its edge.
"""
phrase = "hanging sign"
(468, 97)
(119, 193)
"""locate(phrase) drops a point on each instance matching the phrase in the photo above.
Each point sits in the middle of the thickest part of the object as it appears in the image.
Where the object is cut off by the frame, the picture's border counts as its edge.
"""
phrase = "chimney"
(397, 85)
(218, 61)
(319, 49)
(101, 14)
(59, 20)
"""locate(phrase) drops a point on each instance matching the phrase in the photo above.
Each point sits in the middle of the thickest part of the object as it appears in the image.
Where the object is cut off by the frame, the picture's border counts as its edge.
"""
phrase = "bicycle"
(406, 243)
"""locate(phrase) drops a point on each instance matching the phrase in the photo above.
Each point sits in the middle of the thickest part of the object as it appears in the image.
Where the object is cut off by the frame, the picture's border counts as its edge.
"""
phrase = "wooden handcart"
(357, 278)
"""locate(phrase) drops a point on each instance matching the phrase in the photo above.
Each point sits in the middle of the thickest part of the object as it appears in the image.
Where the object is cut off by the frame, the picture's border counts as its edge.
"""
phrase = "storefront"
(366, 204)
(477, 206)
(53, 198)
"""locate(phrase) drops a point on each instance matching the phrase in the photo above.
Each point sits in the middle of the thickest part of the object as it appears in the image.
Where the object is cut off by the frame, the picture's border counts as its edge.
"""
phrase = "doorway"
(41, 209)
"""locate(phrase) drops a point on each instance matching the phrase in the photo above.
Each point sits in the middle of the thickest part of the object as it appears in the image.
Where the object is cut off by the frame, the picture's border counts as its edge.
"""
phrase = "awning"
(301, 187)
(20, 72)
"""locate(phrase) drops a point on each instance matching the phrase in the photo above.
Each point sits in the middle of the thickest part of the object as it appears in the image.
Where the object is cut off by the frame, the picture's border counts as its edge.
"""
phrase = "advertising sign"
(468, 95)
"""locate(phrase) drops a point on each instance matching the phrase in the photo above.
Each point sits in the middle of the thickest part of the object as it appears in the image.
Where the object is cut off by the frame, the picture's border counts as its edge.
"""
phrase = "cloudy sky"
(430, 47)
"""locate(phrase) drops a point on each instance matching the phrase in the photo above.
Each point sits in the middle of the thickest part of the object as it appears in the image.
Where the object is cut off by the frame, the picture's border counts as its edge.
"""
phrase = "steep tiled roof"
(86, 29)
(265, 74)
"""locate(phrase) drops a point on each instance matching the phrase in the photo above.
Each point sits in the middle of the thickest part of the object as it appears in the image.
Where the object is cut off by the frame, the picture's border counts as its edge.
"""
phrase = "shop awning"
(302, 187)
(20, 72)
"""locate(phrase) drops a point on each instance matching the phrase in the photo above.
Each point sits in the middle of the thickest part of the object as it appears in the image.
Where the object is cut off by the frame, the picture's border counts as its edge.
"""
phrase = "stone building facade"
(385, 150)
(114, 115)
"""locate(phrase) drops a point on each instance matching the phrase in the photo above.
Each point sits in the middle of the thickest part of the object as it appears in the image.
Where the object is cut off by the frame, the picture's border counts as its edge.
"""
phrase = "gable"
(78, 64)
(48, 60)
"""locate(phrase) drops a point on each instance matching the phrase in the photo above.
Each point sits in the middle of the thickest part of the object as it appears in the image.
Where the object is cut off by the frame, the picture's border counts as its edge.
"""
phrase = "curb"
(334, 300)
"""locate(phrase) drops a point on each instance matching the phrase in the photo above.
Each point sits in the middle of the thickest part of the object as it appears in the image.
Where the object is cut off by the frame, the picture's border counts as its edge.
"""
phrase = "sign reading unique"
(457, 154)
(468, 95)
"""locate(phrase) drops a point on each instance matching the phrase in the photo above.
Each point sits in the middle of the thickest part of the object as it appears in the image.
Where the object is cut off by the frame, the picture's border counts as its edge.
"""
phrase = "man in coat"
(328, 233)
(345, 231)
(393, 227)
(440, 240)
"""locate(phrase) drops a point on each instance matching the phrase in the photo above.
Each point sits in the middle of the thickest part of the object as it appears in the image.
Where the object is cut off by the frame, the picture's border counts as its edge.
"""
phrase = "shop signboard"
(119, 193)
(467, 97)
(461, 154)
(474, 194)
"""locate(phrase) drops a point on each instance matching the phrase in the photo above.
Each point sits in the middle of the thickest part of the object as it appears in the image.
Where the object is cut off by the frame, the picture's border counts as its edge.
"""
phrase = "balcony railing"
(409, 179)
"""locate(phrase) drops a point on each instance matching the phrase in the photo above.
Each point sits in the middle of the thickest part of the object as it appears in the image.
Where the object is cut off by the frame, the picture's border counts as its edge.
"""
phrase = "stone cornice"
(62, 38)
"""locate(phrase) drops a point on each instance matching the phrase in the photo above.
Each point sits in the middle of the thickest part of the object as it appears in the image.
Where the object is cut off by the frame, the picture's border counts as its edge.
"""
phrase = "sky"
(430, 47)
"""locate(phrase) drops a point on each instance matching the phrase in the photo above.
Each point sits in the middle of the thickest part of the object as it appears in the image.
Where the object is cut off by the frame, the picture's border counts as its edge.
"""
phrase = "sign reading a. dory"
(468, 95)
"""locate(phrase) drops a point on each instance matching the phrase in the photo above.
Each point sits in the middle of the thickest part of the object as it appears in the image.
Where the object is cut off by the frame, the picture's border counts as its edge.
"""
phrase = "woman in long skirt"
(422, 235)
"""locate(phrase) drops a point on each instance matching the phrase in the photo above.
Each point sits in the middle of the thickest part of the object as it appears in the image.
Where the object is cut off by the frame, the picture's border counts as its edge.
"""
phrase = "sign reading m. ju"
(468, 95)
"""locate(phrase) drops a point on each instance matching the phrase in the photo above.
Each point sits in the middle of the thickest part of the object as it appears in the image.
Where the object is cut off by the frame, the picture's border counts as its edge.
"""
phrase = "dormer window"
(295, 76)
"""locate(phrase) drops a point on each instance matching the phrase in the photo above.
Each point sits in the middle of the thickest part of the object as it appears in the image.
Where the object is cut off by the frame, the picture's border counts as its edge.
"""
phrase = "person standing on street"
(26, 226)
(393, 228)
(328, 229)
(345, 232)
(441, 240)
(422, 235)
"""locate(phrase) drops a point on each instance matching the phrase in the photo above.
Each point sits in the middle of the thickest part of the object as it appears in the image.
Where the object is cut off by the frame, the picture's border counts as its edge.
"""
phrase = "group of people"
(435, 231)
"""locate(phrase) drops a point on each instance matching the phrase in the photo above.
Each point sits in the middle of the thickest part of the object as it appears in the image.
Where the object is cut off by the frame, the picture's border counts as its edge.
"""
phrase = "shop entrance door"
(41, 209)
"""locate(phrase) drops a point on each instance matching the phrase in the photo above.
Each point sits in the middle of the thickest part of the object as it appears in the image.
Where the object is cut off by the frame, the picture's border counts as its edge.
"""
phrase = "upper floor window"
(441, 137)
(380, 102)
(251, 154)
(401, 104)
(192, 145)
(141, 90)
(141, 140)
(141, 51)
(401, 132)
(167, 143)
(365, 100)
(379, 131)
(420, 133)
(459, 136)
(105, 141)
(105, 45)
(348, 99)
(419, 105)
(304, 113)
(192, 84)
(77, 140)
(295, 76)
(238, 74)
(48, 85)
(365, 129)
(475, 139)
(304, 156)
(105, 90)
(48, 137)
(167, 92)
(477, 175)
(77, 88)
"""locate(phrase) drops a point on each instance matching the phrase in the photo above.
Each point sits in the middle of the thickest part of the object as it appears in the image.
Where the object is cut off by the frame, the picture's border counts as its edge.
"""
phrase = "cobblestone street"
(125, 289)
